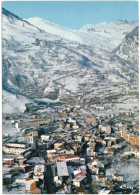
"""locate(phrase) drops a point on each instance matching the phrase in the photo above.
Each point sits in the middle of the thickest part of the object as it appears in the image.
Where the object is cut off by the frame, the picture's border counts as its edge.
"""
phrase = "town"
(62, 148)
(70, 97)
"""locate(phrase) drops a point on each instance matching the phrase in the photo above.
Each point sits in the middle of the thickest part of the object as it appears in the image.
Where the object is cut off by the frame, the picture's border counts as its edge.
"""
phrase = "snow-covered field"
(8, 128)
(128, 169)
(12, 103)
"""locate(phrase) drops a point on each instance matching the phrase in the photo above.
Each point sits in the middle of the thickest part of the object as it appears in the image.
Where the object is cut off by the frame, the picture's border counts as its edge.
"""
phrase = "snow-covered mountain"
(41, 59)
(107, 35)
(128, 49)
(113, 32)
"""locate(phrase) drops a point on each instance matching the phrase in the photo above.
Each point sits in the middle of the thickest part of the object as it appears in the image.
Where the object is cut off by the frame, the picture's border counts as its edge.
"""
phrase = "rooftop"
(62, 169)
(39, 168)
(79, 178)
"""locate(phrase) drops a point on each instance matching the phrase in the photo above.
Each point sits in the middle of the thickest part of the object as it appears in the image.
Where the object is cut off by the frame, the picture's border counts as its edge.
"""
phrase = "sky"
(75, 14)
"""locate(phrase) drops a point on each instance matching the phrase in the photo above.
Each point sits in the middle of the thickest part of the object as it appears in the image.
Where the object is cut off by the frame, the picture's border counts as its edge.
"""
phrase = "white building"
(57, 180)
(39, 172)
(75, 126)
(16, 145)
(39, 169)
(118, 177)
(62, 169)
(77, 181)
(45, 137)
(14, 150)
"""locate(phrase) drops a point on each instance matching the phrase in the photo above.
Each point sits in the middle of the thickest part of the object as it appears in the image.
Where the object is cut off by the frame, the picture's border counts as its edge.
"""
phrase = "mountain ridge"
(87, 38)
(128, 49)
(40, 64)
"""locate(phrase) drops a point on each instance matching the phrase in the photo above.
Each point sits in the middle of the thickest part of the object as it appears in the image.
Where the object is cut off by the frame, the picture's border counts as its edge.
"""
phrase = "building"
(136, 128)
(110, 184)
(68, 126)
(110, 152)
(61, 126)
(35, 188)
(45, 137)
(108, 130)
(75, 146)
(62, 169)
(16, 145)
(74, 158)
(104, 191)
(80, 174)
(62, 114)
(86, 137)
(95, 170)
(90, 151)
(57, 145)
(75, 126)
(46, 145)
(91, 120)
(102, 178)
(15, 150)
(117, 177)
(33, 141)
(39, 171)
(78, 138)
(79, 180)
(8, 161)
(57, 180)
(56, 157)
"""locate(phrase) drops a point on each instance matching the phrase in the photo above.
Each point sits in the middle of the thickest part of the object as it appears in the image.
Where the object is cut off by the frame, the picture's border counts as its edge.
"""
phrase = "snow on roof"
(39, 168)
(77, 171)
(36, 160)
(80, 174)
(6, 159)
(62, 169)
(104, 191)
(79, 178)
(83, 167)
(28, 183)
(56, 178)
(118, 175)
(23, 175)
(7, 176)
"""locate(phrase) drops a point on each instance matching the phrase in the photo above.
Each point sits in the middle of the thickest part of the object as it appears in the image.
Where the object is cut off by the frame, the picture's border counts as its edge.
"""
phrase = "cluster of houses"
(79, 151)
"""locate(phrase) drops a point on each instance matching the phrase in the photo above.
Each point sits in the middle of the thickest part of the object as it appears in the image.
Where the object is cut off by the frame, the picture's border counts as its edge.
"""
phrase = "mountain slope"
(39, 62)
(94, 35)
(33, 60)
(128, 49)
(113, 32)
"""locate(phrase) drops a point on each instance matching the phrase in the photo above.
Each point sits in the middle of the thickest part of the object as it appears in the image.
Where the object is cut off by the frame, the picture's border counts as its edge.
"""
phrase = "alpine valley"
(70, 107)
(44, 60)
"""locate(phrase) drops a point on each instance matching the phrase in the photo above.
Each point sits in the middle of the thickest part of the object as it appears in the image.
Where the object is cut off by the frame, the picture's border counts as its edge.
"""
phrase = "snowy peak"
(9, 18)
(110, 27)
(68, 34)
(54, 29)
(9, 14)
(99, 34)
(55, 62)
(45, 24)
(113, 31)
